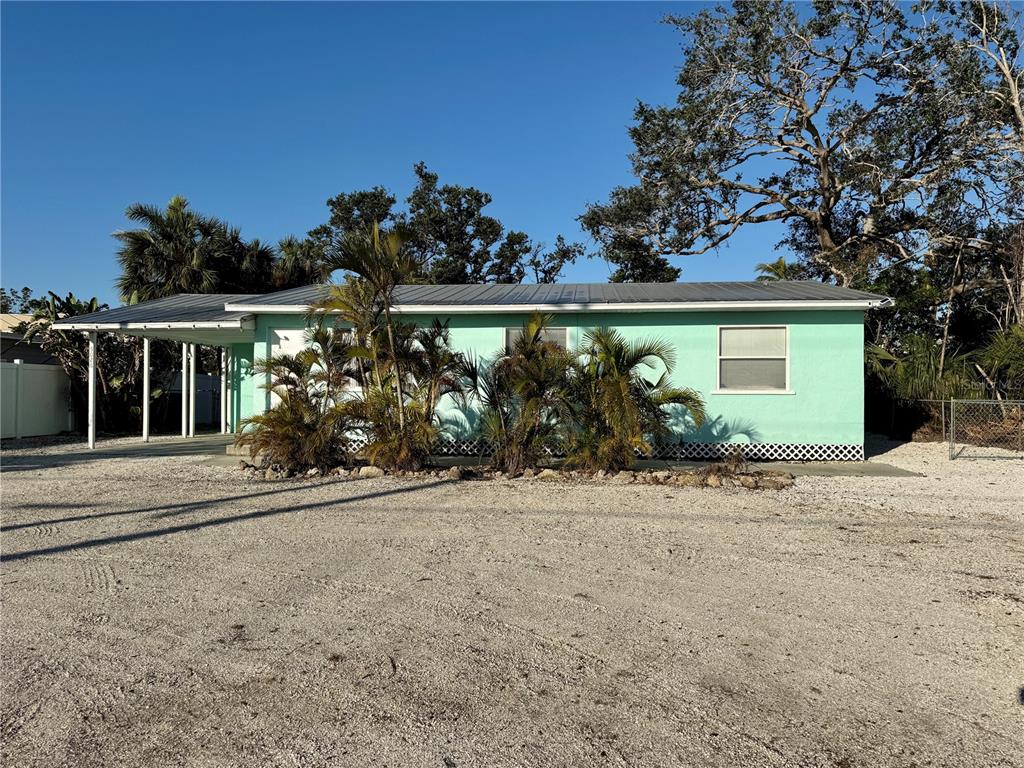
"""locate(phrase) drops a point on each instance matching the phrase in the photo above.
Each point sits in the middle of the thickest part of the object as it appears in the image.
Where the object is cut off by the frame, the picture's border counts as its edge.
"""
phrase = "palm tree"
(177, 250)
(1003, 361)
(918, 372)
(353, 302)
(614, 407)
(436, 366)
(301, 262)
(307, 427)
(779, 269)
(381, 259)
(521, 396)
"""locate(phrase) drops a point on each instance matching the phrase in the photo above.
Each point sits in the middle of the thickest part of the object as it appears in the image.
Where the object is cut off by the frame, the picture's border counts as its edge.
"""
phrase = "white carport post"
(92, 390)
(223, 391)
(184, 390)
(145, 389)
(192, 389)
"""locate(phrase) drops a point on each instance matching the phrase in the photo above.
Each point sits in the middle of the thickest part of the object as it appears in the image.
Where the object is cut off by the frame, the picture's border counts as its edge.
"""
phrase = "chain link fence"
(985, 429)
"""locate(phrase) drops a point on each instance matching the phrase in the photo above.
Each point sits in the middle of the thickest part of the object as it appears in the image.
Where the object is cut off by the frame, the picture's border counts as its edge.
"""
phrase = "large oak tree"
(877, 133)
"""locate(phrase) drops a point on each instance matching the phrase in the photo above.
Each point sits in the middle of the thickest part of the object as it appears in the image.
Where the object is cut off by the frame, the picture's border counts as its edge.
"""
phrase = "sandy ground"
(164, 612)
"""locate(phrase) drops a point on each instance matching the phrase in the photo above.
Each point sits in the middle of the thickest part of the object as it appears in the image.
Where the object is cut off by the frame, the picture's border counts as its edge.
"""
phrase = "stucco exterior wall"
(825, 403)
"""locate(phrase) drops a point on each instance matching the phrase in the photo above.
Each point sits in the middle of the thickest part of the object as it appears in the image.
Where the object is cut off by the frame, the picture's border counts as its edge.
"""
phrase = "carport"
(193, 320)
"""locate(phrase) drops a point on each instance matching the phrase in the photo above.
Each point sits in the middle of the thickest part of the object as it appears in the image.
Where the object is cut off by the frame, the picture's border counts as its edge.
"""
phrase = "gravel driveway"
(165, 612)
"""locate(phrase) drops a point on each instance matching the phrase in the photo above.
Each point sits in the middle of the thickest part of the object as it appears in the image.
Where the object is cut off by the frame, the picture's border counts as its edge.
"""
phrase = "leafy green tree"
(356, 212)
(450, 236)
(547, 266)
(19, 301)
(616, 409)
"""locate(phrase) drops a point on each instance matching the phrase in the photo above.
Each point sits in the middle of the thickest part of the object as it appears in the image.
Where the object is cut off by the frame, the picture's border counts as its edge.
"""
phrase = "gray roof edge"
(211, 305)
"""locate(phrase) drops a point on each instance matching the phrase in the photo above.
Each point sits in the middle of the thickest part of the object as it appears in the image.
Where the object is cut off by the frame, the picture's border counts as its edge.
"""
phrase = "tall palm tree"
(380, 258)
(353, 302)
(615, 408)
(436, 366)
(177, 250)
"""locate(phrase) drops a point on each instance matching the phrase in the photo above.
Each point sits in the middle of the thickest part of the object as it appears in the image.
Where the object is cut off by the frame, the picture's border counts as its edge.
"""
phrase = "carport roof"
(184, 310)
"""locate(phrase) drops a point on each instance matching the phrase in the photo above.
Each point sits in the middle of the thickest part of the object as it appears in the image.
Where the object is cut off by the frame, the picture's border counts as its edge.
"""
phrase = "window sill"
(753, 392)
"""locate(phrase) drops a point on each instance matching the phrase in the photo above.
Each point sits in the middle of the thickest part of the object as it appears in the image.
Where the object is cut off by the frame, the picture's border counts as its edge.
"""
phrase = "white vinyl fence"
(33, 400)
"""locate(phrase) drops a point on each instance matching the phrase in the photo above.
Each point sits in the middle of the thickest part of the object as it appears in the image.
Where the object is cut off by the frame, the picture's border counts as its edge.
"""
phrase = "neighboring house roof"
(9, 321)
(590, 296)
(182, 311)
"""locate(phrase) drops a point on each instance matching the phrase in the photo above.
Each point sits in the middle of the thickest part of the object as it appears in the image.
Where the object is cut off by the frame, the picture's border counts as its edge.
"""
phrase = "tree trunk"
(949, 311)
(398, 370)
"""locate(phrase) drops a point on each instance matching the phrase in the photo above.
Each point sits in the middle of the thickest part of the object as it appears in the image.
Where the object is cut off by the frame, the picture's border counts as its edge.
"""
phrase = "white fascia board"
(644, 306)
(242, 324)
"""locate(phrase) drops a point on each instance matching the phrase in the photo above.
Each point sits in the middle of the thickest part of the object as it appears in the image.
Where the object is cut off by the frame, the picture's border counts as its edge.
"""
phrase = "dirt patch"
(164, 612)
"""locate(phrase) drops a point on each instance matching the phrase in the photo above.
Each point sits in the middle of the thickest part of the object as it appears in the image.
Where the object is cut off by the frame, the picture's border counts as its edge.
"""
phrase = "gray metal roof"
(588, 293)
(181, 308)
(209, 310)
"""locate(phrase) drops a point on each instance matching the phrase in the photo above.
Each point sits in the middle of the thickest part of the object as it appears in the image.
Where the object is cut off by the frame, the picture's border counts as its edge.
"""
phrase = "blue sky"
(257, 113)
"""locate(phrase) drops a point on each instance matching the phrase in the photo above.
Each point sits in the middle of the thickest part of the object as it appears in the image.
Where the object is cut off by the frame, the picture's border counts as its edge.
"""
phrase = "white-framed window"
(559, 336)
(753, 359)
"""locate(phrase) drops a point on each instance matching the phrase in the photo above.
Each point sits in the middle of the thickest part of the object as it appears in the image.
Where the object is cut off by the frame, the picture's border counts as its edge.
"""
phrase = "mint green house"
(779, 364)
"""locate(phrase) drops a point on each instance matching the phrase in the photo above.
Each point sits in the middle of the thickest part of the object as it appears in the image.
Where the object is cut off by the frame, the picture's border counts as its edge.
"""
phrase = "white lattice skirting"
(754, 451)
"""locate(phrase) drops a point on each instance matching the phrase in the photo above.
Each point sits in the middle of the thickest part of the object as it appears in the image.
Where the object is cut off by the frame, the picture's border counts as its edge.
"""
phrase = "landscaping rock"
(274, 473)
(687, 480)
(314, 472)
(549, 474)
(625, 476)
(662, 477)
(370, 472)
(747, 481)
(713, 481)
(776, 482)
(454, 473)
(528, 474)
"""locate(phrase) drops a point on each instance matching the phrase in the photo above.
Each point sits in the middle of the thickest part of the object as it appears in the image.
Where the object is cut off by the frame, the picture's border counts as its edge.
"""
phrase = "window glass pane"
(753, 374)
(558, 335)
(761, 342)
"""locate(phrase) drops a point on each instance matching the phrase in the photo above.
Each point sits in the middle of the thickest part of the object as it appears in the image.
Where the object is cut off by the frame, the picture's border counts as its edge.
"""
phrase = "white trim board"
(641, 306)
(242, 324)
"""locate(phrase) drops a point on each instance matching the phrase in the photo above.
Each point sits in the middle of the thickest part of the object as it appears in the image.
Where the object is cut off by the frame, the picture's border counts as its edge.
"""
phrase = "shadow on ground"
(179, 509)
